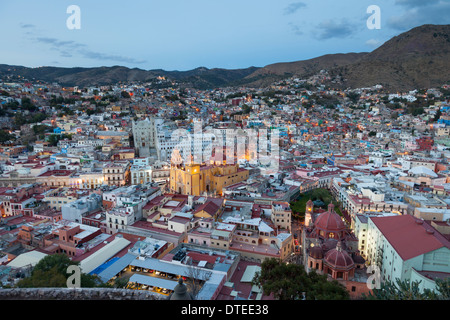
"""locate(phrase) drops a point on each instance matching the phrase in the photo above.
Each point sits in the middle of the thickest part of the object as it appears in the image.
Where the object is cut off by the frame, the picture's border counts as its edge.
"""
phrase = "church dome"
(316, 252)
(180, 292)
(330, 222)
(339, 259)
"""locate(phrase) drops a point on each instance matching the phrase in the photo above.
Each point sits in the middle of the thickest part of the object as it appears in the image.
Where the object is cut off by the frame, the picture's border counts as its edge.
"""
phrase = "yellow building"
(116, 109)
(281, 215)
(196, 179)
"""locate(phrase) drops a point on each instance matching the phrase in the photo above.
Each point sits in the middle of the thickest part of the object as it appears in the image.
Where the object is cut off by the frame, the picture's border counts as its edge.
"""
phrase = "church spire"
(176, 159)
(180, 292)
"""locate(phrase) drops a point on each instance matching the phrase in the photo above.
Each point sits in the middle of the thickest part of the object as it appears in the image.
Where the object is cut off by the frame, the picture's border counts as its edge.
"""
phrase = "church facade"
(328, 246)
(198, 179)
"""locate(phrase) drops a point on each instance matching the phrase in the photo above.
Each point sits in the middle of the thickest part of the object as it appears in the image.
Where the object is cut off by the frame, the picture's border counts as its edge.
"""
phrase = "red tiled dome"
(329, 221)
(316, 252)
(339, 259)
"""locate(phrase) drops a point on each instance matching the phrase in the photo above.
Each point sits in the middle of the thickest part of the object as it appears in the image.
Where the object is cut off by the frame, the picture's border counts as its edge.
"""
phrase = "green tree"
(91, 111)
(353, 96)
(53, 139)
(437, 116)
(121, 282)
(19, 120)
(298, 206)
(6, 136)
(246, 109)
(292, 282)
(40, 129)
(51, 272)
(28, 105)
(44, 279)
(125, 94)
(324, 289)
(407, 290)
(11, 105)
(442, 291)
(59, 261)
(38, 117)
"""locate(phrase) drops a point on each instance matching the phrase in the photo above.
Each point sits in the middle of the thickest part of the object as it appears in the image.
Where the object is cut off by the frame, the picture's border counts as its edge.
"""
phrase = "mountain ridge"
(419, 57)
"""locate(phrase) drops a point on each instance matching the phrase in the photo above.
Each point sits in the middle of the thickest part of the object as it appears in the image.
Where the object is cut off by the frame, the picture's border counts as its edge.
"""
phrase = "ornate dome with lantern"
(329, 224)
(329, 246)
(338, 263)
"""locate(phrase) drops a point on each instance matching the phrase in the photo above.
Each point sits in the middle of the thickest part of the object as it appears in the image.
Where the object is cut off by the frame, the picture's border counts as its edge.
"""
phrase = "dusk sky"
(182, 35)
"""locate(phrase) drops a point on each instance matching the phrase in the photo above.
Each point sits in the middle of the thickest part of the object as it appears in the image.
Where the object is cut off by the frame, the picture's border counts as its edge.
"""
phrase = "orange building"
(196, 179)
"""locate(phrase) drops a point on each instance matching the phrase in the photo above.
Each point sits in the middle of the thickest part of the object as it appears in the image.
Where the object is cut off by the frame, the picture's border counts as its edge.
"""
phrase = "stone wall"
(76, 294)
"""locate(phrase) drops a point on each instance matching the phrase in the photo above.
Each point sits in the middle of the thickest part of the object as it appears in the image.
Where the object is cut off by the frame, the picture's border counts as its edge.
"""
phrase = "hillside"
(417, 58)
(201, 78)
(302, 68)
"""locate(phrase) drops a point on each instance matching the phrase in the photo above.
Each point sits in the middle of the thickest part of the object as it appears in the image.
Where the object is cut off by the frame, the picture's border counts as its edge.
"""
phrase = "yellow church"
(197, 179)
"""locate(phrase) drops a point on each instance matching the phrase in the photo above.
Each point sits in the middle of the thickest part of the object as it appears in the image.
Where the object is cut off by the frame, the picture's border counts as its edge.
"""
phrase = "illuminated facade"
(117, 173)
(196, 179)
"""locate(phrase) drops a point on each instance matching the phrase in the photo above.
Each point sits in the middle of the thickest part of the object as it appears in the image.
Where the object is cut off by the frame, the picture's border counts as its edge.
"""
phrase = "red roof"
(329, 222)
(202, 257)
(339, 259)
(57, 173)
(210, 207)
(409, 236)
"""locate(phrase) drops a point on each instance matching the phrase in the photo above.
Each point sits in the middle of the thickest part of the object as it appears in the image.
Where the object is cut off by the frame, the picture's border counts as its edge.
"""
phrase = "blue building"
(444, 121)
(58, 130)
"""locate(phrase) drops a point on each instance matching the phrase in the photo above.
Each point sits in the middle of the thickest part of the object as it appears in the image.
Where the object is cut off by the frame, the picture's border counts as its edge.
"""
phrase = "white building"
(141, 174)
(144, 136)
(407, 248)
(118, 219)
(74, 211)
(186, 142)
